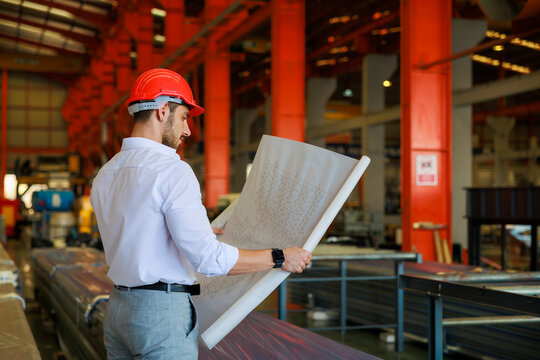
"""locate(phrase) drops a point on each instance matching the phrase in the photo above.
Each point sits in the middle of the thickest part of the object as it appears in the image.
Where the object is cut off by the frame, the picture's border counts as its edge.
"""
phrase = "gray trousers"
(150, 324)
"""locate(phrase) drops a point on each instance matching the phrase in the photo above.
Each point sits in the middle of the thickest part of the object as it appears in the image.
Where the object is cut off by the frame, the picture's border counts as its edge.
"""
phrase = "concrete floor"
(365, 340)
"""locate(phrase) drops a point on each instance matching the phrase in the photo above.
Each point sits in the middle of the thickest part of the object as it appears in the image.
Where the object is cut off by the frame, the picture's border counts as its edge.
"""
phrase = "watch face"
(278, 257)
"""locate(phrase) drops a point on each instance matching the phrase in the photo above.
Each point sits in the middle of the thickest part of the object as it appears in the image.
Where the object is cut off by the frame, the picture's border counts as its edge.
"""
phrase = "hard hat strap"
(156, 103)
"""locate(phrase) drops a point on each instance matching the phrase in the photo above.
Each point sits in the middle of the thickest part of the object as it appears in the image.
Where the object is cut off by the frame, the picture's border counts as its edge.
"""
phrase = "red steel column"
(3, 156)
(288, 69)
(174, 25)
(85, 109)
(121, 125)
(145, 37)
(217, 99)
(96, 105)
(122, 60)
(108, 95)
(425, 122)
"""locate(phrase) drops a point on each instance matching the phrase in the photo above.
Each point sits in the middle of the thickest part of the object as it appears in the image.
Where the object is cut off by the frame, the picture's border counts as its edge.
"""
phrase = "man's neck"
(147, 131)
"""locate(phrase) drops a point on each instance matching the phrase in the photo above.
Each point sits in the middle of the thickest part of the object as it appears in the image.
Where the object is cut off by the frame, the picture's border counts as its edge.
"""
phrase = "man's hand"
(296, 259)
(218, 231)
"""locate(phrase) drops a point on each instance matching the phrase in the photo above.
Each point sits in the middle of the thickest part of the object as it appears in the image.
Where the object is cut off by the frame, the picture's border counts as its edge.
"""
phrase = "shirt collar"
(140, 142)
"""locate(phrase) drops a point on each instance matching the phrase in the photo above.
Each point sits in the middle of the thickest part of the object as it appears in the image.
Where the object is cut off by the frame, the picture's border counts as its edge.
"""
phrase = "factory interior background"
(443, 96)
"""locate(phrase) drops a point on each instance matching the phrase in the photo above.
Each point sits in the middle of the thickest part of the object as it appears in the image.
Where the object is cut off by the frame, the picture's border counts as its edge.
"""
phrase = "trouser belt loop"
(168, 288)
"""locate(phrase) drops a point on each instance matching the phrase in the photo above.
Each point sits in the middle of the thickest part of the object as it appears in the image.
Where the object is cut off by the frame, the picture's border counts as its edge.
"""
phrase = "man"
(155, 231)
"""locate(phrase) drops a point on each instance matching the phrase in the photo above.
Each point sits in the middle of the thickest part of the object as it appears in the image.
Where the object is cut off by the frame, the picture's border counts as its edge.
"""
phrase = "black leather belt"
(161, 286)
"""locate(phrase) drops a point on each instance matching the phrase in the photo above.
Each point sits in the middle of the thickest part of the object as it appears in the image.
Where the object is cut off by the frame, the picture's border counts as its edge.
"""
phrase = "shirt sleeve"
(190, 228)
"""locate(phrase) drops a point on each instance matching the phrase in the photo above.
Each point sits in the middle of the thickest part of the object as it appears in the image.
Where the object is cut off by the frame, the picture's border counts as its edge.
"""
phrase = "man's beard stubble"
(168, 138)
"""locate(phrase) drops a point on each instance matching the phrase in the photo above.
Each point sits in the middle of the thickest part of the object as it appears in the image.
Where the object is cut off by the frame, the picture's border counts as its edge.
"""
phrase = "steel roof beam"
(517, 110)
(190, 46)
(351, 36)
(87, 41)
(99, 21)
(15, 10)
(252, 22)
(497, 89)
(480, 93)
(37, 44)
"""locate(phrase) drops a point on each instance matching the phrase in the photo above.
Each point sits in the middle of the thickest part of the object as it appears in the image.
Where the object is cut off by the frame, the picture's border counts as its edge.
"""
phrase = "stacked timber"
(16, 339)
(9, 273)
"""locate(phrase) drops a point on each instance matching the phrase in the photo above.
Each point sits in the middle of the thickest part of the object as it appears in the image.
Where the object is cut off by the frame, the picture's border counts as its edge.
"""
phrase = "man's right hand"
(296, 259)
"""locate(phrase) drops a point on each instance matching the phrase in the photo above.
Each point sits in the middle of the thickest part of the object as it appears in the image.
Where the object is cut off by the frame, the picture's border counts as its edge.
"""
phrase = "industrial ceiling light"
(34, 6)
(387, 83)
(495, 34)
(348, 93)
(61, 13)
(526, 43)
(339, 19)
(159, 38)
(380, 14)
(516, 41)
(244, 74)
(339, 49)
(30, 29)
(516, 68)
(325, 62)
(158, 12)
(504, 64)
(498, 48)
(386, 31)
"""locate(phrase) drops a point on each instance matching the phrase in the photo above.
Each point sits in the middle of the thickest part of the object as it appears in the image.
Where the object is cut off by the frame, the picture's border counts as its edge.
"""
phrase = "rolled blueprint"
(254, 293)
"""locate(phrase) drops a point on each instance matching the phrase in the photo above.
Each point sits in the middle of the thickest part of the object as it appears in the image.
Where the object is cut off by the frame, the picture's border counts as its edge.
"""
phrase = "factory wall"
(35, 125)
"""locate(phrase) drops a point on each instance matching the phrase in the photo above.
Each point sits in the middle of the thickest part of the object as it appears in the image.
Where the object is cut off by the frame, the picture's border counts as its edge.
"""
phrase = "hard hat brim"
(196, 110)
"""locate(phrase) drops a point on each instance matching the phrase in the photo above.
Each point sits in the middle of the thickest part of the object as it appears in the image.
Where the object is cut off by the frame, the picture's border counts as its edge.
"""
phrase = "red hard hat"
(159, 82)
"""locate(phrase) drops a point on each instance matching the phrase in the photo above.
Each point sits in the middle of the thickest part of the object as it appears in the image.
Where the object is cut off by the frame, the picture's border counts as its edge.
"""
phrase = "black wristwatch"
(278, 257)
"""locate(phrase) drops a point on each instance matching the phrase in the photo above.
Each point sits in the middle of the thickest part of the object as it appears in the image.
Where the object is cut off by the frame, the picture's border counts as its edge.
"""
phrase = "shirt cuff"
(230, 257)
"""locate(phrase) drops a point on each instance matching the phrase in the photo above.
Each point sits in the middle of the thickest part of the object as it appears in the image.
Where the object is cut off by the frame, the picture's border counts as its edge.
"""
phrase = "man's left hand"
(218, 231)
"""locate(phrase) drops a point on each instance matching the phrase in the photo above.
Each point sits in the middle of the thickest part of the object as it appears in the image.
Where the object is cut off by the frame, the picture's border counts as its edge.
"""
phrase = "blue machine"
(53, 200)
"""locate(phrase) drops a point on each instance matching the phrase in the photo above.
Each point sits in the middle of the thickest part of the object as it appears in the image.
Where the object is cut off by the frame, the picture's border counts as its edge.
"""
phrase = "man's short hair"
(143, 116)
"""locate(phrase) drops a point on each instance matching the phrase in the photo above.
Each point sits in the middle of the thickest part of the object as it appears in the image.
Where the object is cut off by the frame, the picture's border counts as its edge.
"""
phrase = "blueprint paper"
(292, 195)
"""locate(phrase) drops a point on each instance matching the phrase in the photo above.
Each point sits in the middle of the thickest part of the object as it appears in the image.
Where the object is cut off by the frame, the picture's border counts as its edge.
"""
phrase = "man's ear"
(163, 112)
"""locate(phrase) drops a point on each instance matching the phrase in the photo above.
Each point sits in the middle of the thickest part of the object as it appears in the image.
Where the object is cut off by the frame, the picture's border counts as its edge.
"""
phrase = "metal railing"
(343, 278)
(437, 290)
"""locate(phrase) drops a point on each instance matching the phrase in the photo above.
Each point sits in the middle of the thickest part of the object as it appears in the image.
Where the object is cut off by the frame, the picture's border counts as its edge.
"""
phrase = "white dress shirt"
(151, 219)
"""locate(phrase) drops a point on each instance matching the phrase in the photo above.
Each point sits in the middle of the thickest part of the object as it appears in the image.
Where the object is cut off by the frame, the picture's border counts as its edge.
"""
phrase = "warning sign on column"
(426, 170)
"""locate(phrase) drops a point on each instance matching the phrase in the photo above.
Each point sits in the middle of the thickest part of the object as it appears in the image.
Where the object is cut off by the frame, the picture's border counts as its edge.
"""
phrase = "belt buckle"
(122, 288)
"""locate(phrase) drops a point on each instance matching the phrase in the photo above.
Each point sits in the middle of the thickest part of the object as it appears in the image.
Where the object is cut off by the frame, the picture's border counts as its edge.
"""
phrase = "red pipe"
(351, 36)
(4, 129)
(481, 47)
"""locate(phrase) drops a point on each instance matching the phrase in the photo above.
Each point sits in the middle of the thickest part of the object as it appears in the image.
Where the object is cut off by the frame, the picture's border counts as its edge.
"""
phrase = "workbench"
(329, 256)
